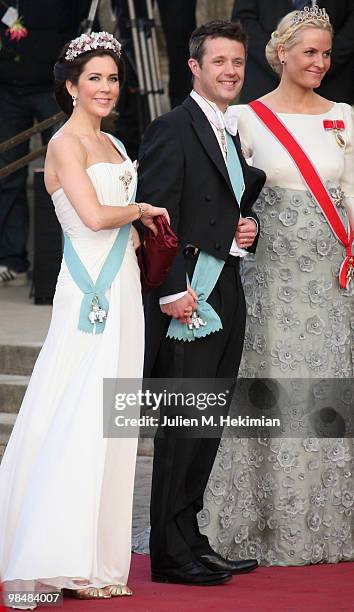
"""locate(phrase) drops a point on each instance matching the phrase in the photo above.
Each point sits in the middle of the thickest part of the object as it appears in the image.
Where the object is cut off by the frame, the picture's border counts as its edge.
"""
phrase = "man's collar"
(220, 120)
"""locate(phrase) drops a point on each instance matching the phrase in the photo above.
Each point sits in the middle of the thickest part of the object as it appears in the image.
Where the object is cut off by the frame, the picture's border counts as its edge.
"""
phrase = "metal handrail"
(22, 137)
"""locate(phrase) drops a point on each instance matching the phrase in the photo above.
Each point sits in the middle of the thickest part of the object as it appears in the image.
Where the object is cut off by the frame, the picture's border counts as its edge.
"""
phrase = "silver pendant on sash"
(96, 313)
(197, 322)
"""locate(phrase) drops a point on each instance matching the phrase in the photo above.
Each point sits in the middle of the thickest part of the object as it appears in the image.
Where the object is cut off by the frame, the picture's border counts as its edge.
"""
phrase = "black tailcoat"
(182, 168)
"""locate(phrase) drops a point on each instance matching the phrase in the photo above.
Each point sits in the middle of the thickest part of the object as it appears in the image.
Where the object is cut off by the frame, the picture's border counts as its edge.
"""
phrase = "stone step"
(146, 447)
(12, 390)
(7, 421)
(18, 360)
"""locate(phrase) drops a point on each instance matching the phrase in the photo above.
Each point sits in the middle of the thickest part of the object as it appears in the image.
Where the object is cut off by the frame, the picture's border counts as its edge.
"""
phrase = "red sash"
(315, 185)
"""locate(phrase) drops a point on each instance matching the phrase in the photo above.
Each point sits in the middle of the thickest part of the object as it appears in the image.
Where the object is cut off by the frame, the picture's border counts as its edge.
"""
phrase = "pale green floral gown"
(289, 501)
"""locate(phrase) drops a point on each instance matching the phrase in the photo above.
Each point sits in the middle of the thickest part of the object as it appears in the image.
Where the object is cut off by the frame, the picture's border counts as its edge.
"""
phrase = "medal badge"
(337, 126)
(328, 206)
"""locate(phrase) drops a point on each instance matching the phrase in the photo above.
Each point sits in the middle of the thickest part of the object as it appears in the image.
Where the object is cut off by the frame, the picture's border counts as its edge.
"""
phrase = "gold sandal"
(92, 593)
(118, 590)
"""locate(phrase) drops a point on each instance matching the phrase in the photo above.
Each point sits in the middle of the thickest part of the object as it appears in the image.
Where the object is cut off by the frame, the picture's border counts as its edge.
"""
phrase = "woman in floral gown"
(289, 501)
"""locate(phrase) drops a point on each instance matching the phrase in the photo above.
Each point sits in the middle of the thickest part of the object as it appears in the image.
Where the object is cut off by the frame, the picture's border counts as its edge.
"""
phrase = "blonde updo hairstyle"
(288, 34)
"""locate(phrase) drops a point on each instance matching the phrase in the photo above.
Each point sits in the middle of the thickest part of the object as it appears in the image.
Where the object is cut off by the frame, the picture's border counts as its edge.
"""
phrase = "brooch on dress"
(350, 271)
(336, 127)
(337, 196)
(126, 179)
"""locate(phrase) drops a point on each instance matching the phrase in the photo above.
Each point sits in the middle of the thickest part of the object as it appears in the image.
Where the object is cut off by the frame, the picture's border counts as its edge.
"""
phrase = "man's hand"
(246, 233)
(183, 308)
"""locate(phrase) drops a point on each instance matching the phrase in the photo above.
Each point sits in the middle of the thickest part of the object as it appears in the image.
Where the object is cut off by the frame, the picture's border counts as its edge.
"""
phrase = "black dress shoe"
(190, 573)
(216, 562)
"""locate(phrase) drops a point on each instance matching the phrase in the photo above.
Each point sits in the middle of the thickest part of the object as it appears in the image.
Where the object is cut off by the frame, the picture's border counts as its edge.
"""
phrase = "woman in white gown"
(290, 501)
(66, 492)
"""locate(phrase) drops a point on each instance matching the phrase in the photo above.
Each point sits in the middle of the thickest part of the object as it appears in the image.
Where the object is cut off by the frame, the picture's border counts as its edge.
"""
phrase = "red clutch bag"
(156, 254)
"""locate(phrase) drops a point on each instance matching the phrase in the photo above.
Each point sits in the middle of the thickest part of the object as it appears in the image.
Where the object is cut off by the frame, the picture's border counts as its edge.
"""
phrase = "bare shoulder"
(65, 146)
(266, 97)
(271, 100)
(65, 154)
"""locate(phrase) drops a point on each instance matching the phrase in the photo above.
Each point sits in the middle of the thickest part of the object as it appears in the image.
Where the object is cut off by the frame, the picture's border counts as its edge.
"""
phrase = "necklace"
(223, 139)
(221, 130)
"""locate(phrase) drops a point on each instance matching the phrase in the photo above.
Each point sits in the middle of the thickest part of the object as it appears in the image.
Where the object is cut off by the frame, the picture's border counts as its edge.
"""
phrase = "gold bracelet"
(140, 206)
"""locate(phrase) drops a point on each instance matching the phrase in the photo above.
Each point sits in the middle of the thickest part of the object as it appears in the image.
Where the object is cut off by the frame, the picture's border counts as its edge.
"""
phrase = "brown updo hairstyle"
(65, 70)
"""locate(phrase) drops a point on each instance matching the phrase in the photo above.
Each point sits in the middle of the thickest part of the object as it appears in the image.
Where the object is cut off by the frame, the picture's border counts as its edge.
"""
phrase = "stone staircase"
(16, 365)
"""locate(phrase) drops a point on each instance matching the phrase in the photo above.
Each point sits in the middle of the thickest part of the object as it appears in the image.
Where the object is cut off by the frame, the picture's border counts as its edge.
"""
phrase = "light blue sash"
(234, 169)
(208, 268)
(94, 303)
(94, 298)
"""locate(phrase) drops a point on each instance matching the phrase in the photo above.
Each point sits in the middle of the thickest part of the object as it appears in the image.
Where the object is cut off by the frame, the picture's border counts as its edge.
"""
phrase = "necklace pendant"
(223, 141)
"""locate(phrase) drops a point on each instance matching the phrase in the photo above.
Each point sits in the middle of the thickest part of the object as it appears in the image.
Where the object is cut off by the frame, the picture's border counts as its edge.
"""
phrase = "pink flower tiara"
(89, 42)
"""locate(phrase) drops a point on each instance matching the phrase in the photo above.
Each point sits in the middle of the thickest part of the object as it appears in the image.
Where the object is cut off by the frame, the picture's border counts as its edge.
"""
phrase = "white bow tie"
(227, 121)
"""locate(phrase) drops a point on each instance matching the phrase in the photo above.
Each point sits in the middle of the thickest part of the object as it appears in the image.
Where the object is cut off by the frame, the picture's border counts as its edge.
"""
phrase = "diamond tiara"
(310, 13)
(89, 42)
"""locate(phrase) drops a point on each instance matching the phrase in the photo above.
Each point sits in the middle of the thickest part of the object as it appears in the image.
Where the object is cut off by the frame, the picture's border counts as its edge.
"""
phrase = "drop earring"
(74, 98)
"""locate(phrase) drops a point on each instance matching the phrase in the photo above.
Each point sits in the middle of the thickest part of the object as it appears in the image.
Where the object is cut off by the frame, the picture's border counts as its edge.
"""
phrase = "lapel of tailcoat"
(206, 136)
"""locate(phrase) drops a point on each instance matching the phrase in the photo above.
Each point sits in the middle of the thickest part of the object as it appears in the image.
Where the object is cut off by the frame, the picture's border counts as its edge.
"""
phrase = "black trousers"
(178, 22)
(182, 466)
(18, 111)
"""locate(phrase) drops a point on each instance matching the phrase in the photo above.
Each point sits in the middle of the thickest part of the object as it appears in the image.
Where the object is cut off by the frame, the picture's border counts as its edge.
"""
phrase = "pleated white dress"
(66, 492)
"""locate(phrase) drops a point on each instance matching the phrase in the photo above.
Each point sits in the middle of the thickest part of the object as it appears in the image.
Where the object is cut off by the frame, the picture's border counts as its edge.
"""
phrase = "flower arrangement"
(16, 29)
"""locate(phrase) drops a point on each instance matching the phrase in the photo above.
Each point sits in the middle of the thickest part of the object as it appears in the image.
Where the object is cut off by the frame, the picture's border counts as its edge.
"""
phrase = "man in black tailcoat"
(183, 166)
(261, 17)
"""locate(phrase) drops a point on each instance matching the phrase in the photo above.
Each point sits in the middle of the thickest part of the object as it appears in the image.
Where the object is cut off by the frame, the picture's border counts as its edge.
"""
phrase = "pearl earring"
(74, 98)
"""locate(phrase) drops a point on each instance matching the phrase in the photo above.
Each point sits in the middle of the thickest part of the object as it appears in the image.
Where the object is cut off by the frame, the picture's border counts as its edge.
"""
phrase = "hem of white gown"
(53, 585)
(58, 583)
(48, 586)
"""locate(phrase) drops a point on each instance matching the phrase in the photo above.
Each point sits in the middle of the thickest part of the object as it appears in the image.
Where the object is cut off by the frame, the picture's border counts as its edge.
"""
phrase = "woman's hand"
(149, 213)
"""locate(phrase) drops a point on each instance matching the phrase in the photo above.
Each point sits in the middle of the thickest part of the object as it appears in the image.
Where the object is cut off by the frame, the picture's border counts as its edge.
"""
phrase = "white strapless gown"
(66, 492)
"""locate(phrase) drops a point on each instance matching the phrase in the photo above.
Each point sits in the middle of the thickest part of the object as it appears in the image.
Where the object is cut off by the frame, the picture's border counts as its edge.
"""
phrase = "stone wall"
(213, 9)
